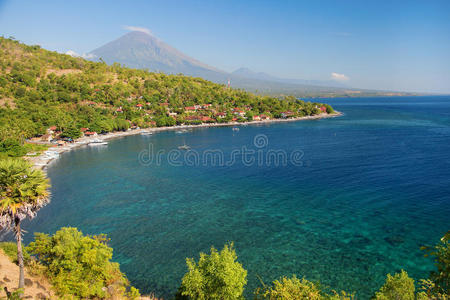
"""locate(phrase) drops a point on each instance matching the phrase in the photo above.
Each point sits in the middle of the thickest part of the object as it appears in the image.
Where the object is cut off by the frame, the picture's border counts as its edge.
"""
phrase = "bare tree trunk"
(18, 234)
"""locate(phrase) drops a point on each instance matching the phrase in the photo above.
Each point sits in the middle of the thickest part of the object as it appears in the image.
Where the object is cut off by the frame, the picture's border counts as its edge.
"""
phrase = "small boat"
(97, 142)
(184, 147)
(146, 133)
(181, 131)
(235, 129)
(51, 154)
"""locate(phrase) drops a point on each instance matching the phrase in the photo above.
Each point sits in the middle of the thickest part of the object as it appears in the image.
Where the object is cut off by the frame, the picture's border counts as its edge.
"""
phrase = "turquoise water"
(369, 188)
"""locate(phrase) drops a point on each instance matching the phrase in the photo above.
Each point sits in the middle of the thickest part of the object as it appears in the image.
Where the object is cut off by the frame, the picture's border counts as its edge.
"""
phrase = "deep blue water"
(366, 191)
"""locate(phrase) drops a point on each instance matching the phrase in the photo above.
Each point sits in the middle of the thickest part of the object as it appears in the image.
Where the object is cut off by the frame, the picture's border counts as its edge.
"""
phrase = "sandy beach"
(42, 161)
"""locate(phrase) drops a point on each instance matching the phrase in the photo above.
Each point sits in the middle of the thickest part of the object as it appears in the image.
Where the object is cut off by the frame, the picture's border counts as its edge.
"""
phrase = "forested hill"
(40, 89)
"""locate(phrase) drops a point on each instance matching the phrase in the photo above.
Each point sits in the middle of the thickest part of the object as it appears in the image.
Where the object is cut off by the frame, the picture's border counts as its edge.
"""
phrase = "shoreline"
(42, 161)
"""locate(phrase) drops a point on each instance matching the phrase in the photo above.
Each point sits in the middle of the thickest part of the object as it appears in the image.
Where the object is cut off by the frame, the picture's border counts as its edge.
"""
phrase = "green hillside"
(41, 89)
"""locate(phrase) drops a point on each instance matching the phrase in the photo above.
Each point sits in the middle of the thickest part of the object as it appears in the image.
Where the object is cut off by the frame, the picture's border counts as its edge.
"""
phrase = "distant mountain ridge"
(247, 73)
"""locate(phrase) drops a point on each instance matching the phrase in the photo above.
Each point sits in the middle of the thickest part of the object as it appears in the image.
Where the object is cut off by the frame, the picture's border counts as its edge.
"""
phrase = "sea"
(342, 201)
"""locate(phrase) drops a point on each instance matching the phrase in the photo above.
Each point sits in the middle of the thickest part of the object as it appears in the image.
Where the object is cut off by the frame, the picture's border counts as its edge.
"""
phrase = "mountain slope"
(143, 51)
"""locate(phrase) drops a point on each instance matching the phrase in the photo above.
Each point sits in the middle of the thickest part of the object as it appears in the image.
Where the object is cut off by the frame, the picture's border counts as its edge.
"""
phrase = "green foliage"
(290, 289)
(12, 147)
(78, 265)
(330, 109)
(10, 249)
(23, 190)
(15, 295)
(44, 88)
(216, 276)
(71, 131)
(441, 254)
(397, 287)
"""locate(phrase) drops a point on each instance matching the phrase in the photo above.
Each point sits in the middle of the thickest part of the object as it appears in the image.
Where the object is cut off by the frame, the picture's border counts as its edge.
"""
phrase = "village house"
(264, 117)
(287, 114)
(323, 109)
(90, 133)
(221, 115)
(239, 112)
(256, 118)
(190, 109)
(139, 105)
(206, 119)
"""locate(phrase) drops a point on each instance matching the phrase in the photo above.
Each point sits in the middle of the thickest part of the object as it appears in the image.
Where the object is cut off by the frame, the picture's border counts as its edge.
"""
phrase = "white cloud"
(72, 53)
(84, 55)
(136, 28)
(88, 55)
(339, 77)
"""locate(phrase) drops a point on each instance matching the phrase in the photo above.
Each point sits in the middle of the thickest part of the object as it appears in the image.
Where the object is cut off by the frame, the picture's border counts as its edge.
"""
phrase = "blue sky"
(394, 45)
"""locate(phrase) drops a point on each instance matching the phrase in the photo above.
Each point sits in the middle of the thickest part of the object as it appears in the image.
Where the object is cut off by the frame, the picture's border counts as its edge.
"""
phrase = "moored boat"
(97, 142)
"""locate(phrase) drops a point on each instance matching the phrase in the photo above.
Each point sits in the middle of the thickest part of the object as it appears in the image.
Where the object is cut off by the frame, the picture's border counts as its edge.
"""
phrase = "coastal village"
(199, 114)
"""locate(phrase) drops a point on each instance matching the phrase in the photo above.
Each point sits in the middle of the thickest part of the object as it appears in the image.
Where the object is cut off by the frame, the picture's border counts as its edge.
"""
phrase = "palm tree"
(23, 191)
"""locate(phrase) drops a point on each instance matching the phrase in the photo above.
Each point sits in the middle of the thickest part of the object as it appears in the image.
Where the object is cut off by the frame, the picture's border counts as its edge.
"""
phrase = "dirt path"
(35, 288)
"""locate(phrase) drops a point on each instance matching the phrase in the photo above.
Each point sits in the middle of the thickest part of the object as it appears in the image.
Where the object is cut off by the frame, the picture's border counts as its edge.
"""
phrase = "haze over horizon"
(401, 46)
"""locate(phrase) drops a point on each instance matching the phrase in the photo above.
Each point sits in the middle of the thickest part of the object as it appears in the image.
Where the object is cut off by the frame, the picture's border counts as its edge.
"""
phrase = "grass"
(10, 249)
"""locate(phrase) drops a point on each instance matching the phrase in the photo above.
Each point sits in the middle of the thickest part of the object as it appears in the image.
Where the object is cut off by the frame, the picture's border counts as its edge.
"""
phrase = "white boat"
(184, 147)
(181, 131)
(146, 133)
(97, 142)
(235, 129)
(51, 154)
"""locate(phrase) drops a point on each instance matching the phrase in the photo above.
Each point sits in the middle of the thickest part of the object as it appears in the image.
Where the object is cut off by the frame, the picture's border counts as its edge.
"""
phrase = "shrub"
(397, 287)
(290, 289)
(78, 265)
(441, 254)
(10, 249)
(12, 147)
(215, 276)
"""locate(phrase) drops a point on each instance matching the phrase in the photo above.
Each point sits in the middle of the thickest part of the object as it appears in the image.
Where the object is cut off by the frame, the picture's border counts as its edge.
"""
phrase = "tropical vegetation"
(80, 265)
(23, 191)
(216, 276)
(41, 89)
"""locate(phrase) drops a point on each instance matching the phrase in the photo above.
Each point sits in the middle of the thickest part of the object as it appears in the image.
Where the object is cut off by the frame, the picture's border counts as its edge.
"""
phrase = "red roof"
(191, 118)
(165, 104)
(190, 108)
(53, 128)
(323, 109)
(220, 114)
(90, 133)
(139, 105)
(205, 119)
(119, 110)
(83, 129)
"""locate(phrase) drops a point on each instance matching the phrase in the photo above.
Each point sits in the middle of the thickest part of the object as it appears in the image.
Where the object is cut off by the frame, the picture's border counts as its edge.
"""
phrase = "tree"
(397, 287)
(441, 254)
(79, 265)
(71, 131)
(215, 276)
(23, 191)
